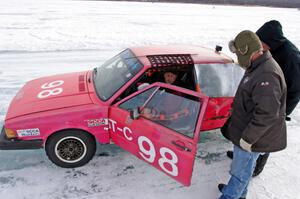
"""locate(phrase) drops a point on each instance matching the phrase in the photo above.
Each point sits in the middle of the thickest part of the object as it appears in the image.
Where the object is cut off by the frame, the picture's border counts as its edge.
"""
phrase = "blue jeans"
(242, 167)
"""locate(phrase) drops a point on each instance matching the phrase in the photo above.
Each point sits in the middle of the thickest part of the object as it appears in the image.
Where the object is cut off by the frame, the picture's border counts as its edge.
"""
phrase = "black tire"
(70, 148)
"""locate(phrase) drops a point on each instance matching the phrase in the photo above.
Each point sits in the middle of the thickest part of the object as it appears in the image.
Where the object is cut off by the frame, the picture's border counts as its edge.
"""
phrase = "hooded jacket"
(258, 109)
(287, 56)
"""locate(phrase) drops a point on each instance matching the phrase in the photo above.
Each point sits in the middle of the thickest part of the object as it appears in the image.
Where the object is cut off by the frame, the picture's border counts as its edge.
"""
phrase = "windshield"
(116, 72)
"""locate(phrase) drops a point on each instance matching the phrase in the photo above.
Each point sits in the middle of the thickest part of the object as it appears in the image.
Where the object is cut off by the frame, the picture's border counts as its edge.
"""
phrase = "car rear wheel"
(70, 148)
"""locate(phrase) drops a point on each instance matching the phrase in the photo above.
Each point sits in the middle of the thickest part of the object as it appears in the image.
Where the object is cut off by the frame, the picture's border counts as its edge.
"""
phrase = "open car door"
(160, 125)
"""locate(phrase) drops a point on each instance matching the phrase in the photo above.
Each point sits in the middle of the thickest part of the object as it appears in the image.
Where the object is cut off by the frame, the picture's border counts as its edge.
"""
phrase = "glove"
(142, 86)
(245, 145)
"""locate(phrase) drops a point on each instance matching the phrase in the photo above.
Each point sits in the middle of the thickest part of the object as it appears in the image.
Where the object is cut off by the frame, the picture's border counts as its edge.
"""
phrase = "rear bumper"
(13, 144)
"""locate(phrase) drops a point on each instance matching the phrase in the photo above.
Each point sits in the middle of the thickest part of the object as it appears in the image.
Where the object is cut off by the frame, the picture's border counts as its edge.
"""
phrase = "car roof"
(198, 54)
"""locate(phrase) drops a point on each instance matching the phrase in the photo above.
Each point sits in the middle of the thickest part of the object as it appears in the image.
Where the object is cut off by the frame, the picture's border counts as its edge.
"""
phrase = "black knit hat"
(271, 34)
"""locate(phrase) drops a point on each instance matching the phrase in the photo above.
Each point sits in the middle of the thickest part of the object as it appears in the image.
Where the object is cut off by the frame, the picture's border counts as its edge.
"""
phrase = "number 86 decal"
(149, 155)
(50, 89)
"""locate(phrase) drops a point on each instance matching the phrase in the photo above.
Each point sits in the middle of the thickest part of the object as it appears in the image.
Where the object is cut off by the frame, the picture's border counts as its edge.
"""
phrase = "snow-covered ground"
(39, 38)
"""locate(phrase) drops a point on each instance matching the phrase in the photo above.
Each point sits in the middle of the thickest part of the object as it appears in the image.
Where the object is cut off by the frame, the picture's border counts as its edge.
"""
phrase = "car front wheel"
(70, 148)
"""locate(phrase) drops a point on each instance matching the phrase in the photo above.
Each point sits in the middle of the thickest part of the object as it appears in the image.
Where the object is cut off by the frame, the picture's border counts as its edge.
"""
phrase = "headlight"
(10, 133)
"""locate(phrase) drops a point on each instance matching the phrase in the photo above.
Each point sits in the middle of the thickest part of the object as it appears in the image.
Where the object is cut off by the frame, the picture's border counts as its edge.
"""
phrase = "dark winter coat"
(258, 110)
(287, 56)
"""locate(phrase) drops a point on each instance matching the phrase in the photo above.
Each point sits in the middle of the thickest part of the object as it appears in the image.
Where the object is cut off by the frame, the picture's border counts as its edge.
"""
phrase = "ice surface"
(39, 38)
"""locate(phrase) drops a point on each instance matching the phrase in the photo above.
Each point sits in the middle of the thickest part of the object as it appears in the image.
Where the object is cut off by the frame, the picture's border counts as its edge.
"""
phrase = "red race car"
(126, 102)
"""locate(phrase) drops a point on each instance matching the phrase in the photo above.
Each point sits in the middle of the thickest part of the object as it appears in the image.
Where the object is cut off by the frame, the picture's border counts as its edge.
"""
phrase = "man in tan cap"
(257, 123)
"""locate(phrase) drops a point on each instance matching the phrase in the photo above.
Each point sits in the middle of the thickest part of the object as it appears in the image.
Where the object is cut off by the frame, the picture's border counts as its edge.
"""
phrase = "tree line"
(273, 3)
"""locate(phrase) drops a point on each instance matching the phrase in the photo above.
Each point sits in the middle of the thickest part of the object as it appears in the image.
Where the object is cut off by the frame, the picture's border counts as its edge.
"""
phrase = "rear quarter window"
(218, 80)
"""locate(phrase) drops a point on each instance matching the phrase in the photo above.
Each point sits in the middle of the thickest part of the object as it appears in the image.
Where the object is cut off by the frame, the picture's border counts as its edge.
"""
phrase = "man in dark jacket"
(287, 55)
(257, 124)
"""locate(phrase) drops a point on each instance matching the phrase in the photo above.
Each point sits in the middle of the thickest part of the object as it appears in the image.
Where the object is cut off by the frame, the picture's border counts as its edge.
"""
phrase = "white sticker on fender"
(28, 132)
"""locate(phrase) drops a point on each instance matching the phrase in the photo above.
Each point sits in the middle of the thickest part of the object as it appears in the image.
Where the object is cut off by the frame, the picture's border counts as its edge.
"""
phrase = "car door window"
(174, 110)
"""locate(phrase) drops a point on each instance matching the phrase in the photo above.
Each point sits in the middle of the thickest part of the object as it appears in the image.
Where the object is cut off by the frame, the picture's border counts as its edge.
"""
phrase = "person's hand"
(245, 145)
(147, 113)
(150, 113)
(142, 86)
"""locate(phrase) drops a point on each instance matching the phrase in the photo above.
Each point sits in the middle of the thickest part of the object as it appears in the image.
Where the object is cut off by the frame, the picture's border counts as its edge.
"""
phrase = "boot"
(230, 154)
(221, 186)
(260, 164)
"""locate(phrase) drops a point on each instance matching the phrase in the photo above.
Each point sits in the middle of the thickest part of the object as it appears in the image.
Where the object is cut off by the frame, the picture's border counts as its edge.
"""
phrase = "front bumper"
(12, 144)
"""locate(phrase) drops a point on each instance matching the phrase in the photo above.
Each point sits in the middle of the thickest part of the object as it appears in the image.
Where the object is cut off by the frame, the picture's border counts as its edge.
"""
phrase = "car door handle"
(180, 146)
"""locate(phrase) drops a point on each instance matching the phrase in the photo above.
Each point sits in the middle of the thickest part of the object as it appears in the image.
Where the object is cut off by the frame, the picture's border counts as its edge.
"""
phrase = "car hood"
(50, 93)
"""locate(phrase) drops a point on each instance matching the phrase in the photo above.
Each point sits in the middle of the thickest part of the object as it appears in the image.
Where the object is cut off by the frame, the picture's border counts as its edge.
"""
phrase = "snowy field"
(39, 38)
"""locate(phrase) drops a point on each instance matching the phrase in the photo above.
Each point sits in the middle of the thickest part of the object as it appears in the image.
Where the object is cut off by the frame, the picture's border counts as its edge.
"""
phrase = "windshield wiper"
(95, 71)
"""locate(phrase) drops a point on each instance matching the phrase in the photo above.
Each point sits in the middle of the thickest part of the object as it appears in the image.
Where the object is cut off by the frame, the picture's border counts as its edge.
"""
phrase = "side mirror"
(218, 49)
(135, 113)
